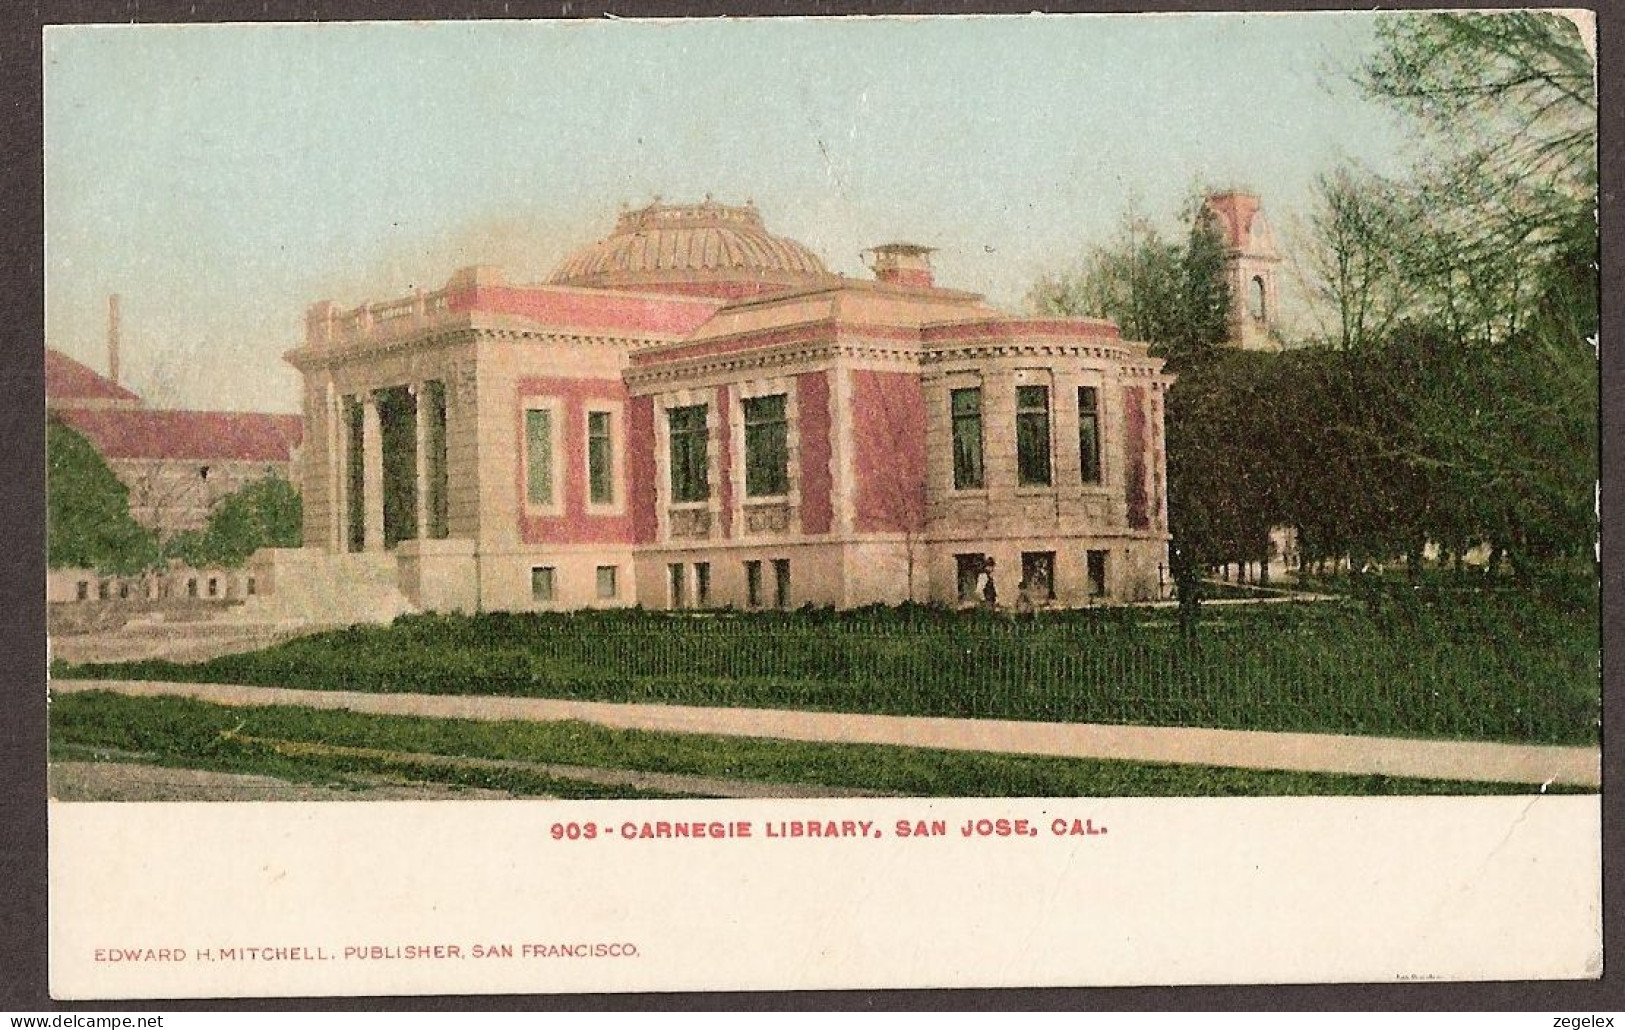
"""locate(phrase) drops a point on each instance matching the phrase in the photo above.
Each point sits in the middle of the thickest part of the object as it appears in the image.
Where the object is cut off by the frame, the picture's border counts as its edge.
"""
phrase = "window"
(124, 590)
(702, 584)
(541, 584)
(753, 584)
(1255, 297)
(965, 408)
(82, 589)
(675, 573)
(248, 587)
(1089, 433)
(1038, 575)
(214, 587)
(606, 582)
(690, 479)
(191, 588)
(968, 569)
(1032, 435)
(767, 446)
(600, 458)
(781, 582)
(1097, 573)
(539, 456)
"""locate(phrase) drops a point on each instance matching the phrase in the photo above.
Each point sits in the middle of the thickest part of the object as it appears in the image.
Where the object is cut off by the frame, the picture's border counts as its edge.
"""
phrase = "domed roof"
(701, 248)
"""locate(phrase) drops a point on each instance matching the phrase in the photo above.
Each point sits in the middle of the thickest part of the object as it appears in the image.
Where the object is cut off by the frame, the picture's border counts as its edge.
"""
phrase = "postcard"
(743, 504)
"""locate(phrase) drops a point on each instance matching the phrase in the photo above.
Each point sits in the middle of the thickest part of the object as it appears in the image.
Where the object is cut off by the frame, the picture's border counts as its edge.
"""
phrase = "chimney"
(902, 264)
(112, 337)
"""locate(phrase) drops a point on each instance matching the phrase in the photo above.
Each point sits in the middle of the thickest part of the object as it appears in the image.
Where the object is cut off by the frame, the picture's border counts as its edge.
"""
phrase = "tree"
(265, 513)
(1357, 245)
(88, 522)
(1503, 267)
(1176, 297)
(1510, 101)
(1173, 296)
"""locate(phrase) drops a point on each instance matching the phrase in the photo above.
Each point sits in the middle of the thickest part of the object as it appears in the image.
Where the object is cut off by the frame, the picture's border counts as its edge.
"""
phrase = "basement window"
(541, 584)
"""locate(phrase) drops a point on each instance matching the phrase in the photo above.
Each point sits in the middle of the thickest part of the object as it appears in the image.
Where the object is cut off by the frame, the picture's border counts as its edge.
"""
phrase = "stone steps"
(316, 588)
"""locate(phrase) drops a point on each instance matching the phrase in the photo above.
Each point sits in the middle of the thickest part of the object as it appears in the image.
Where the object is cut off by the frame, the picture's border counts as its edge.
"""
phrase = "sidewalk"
(1242, 749)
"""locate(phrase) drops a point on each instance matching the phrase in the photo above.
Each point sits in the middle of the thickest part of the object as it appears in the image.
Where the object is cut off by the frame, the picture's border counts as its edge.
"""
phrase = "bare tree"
(1354, 257)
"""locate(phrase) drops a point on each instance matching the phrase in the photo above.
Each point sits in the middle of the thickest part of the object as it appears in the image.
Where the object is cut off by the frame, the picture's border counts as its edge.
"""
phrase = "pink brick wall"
(888, 435)
(555, 306)
(1134, 457)
(812, 405)
(640, 468)
(725, 464)
(576, 525)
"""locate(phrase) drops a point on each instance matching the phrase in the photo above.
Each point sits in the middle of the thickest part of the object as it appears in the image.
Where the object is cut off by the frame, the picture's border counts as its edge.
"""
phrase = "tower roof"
(1238, 211)
(693, 248)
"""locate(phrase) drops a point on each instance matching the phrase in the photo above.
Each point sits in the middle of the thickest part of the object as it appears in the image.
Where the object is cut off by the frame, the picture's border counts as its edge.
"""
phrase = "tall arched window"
(1255, 297)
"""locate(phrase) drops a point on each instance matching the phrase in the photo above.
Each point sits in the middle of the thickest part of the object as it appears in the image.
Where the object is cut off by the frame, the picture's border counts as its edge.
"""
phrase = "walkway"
(1242, 749)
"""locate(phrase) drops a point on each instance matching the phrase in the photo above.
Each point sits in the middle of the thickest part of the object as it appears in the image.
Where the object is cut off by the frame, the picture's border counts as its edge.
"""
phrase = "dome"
(706, 248)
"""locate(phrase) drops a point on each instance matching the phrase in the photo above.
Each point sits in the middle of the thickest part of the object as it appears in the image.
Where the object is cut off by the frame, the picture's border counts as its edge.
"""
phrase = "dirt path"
(133, 781)
(1243, 749)
(667, 783)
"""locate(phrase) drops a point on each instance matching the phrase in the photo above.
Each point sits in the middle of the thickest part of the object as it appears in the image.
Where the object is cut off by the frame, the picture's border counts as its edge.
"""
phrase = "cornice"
(332, 357)
(937, 353)
(728, 364)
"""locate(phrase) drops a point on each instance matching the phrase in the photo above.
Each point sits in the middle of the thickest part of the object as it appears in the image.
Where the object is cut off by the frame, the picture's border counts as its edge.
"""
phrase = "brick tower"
(1251, 263)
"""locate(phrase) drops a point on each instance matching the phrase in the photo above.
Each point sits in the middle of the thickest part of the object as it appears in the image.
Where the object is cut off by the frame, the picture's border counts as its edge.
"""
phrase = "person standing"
(986, 586)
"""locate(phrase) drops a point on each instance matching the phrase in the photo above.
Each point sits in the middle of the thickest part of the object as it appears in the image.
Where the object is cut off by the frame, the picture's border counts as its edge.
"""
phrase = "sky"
(221, 178)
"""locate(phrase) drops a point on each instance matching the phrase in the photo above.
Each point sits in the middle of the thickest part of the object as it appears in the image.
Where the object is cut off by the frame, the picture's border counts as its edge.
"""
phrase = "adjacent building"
(694, 412)
(176, 463)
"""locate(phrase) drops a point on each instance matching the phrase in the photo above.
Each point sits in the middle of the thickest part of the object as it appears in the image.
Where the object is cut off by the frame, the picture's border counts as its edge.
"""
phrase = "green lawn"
(1430, 663)
(194, 734)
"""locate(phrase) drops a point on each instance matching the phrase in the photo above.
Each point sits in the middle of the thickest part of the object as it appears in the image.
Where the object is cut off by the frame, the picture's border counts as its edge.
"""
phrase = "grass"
(195, 734)
(1491, 665)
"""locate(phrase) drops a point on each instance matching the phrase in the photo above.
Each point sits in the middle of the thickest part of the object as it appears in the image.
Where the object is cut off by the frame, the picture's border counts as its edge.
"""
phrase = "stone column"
(338, 446)
(372, 458)
(421, 418)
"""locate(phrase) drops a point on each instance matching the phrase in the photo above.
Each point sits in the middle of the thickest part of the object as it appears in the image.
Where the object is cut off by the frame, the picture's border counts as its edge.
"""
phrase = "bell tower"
(1251, 265)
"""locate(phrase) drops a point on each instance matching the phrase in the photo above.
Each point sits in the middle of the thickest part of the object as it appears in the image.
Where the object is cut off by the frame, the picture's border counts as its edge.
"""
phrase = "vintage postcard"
(822, 503)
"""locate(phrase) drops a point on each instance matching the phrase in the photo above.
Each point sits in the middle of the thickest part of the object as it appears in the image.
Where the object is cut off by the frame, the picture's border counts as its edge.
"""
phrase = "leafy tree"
(88, 521)
(1175, 296)
(265, 513)
(1504, 266)
(1509, 99)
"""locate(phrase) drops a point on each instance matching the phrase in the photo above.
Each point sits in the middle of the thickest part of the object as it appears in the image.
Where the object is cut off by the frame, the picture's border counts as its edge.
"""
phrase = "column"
(337, 455)
(372, 457)
(420, 416)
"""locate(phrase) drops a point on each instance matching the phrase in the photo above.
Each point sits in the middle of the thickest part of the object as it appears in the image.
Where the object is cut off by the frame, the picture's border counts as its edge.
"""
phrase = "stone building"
(694, 412)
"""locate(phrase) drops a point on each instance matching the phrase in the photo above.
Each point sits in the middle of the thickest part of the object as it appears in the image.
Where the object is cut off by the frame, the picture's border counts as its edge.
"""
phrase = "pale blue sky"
(221, 178)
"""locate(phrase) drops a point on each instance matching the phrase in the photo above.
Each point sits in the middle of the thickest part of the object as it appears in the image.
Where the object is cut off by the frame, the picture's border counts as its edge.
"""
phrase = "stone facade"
(696, 414)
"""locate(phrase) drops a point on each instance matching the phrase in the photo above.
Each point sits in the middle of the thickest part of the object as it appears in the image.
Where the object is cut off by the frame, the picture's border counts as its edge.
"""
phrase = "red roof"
(187, 435)
(67, 379)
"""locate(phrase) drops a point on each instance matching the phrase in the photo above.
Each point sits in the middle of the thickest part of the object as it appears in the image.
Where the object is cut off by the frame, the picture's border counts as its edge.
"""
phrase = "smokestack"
(112, 337)
(902, 264)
